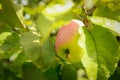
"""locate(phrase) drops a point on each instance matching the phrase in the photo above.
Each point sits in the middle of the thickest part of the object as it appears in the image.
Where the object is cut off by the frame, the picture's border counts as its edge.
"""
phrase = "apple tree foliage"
(28, 30)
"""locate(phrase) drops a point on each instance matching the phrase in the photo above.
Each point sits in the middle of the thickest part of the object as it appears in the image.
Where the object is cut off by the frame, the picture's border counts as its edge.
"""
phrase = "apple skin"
(66, 44)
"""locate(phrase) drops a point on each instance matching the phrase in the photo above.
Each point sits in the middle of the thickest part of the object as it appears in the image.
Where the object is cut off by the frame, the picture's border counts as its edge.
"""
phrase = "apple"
(66, 44)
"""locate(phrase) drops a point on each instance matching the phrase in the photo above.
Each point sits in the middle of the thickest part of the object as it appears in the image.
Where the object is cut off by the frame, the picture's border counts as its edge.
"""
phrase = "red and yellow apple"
(66, 44)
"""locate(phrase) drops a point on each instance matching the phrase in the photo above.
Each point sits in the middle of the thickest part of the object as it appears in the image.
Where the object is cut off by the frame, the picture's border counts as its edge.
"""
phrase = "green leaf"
(5, 73)
(9, 44)
(113, 25)
(107, 49)
(100, 52)
(11, 41)
(44, 25)
(116, 75)
(89, 56)
(109, 10)
(71, 72)
(31, 72)
(108, 0)
(52, 73)
(42, 55)
(7, 28)
(118, 69)
(2, 73)
(9, 16)
(16, 64)
(68, 73)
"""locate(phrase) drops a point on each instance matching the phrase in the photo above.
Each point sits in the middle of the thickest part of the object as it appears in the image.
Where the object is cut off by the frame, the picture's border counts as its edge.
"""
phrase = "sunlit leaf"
(0, 6)
(89, 56)
(100, 52)
(56, 8)
(9, 43)
(113, 25)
